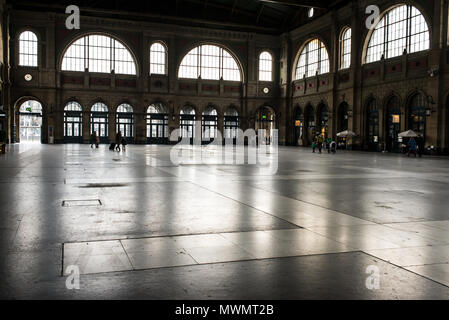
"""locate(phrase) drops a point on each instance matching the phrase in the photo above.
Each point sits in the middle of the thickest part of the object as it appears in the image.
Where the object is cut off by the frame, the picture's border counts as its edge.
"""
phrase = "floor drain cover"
(81, 203)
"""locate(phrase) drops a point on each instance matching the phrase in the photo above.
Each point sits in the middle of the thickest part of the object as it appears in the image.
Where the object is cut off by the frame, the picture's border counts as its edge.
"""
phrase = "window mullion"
(86, 53)
(112, 55)
(220, 64)
(385, 36)
(200, 52)
(408, 31)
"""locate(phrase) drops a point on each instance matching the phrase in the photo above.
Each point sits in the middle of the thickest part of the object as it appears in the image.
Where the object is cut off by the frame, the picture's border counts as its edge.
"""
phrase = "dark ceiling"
(268, 16)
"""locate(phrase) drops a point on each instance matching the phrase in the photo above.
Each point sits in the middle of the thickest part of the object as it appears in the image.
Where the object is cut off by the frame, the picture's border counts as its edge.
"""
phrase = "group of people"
(119, 140)
(320, 143)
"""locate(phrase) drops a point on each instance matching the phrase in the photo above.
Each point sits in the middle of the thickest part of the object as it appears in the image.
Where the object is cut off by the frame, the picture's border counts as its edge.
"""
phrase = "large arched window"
(158, 58)
(392, 124)
(417, 114)
(209, 124)
(99, 53)
(372, 125)
(313, 59)
(209, 62)
(125, 121)
(187, 119)
(28, 49)
(231, 123)
(157, 123)
(73, 122)
(345, 49)
(30, 121)
(265, 66)
(401, 28)
(99, 120)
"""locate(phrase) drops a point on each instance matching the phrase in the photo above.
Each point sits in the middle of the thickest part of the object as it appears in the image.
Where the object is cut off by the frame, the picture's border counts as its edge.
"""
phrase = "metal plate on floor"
(82, 203)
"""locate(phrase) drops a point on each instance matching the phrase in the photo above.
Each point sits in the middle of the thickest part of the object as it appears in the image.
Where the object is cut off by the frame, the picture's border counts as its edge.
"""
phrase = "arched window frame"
(414, 21)
(158, 58)
(265, 66)
(307, 58)
(99, 53)
(345, 48)
(201, 62)
(28, 48)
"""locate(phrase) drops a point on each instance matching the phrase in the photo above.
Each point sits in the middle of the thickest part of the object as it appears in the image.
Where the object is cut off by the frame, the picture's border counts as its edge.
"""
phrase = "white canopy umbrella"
(346, 134)
(408, 134)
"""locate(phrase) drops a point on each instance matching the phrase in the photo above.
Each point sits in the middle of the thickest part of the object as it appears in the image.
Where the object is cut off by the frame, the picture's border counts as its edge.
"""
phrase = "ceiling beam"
(304, 4)
(234, 5)
(260, 12)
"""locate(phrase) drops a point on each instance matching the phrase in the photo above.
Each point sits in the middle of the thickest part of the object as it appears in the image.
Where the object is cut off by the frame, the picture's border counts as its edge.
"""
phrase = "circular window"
(28, 77)
(310, 13)
(266, 90)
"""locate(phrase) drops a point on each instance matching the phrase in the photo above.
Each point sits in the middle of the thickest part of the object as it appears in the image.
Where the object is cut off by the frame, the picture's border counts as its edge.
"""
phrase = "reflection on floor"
(137, 226)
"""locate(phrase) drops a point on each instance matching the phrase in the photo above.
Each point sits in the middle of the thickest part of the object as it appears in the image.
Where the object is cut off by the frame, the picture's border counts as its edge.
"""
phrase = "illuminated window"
(313, 59)
(28, 48)
(345, 49)
(265, 66)
(99, 120)
(310, 12)
(99, 53)
(209, 62)
(231, 123)
(158, 58)
(73, 121)
(209, 124)
(187, 122)
(157, 123)
(125, 120)
(403, 27)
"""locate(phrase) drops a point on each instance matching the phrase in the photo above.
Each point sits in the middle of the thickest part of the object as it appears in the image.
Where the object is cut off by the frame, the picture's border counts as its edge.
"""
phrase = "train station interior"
(224, 149)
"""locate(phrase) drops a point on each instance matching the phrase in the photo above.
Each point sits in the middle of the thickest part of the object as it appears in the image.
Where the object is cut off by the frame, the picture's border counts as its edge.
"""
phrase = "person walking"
(328, 144)
(118, 140)
(411, 147)
(333, 147)
(94, 140)
(124, 143)
(320, 143)
(314, 145)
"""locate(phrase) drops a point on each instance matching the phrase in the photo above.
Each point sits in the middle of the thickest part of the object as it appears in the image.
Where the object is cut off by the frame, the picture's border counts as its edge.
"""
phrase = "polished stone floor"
(138, 226)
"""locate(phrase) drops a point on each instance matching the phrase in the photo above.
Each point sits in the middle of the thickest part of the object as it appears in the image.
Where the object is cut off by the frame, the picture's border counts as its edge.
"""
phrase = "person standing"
(328, 144)
(411, 147)
(420, 143)
(320, 143)
(93, 139)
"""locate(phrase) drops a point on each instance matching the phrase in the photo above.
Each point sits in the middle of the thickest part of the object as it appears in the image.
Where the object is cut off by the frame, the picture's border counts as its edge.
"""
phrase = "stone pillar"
(111, 126)
(86, 126)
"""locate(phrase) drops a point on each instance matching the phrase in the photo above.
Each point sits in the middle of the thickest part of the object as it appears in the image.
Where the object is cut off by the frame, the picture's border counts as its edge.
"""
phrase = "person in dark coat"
(420, 143)
(94, 140)
(124, 143)
(118, 140)
(412, 147)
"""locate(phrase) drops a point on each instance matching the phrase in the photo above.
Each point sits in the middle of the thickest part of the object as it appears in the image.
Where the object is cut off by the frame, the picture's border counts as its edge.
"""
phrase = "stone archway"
(265, 119)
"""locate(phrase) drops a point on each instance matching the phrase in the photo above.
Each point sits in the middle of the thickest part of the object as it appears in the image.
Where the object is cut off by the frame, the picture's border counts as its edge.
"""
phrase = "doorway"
(30, 122)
